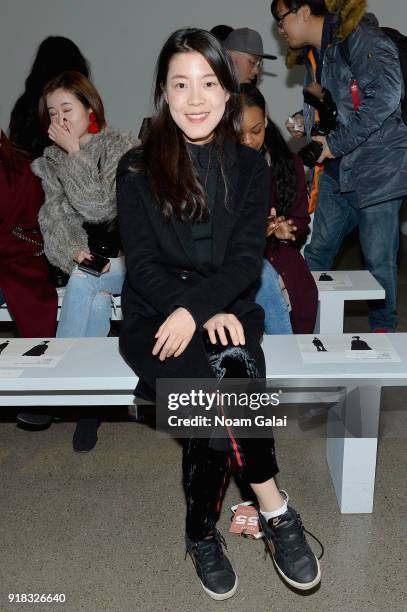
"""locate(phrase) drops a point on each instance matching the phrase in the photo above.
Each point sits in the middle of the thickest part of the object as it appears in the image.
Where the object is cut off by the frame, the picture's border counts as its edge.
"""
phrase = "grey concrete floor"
(106, 528)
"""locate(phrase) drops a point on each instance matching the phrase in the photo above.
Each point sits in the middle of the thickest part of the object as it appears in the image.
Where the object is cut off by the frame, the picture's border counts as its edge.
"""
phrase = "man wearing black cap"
(246, 50)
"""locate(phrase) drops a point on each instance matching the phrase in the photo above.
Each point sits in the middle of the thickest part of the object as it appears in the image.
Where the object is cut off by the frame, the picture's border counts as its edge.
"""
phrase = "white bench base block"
(352, 460)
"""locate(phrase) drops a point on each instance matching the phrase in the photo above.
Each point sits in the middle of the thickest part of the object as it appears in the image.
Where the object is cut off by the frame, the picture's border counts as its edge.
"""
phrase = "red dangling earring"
(93, 127)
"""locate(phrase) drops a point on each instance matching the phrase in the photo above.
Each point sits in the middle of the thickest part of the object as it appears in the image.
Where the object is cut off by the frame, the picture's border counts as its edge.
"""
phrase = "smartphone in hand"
(95, 265)
(296, 123)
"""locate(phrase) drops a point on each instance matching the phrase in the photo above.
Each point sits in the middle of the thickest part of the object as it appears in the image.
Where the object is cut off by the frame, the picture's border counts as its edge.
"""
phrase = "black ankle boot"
(85, 435)
(214, 570)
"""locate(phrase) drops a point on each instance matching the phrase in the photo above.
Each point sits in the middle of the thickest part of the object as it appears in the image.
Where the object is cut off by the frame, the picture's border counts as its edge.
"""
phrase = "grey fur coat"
(78, 188)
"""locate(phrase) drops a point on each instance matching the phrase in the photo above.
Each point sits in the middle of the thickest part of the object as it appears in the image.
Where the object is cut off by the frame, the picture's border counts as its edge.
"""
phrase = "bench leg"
(330, 315)
(352, 460)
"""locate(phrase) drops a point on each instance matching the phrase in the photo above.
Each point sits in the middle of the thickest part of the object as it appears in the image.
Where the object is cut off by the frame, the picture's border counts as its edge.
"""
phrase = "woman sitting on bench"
(192, 206)
(78, 218)
(288, 223)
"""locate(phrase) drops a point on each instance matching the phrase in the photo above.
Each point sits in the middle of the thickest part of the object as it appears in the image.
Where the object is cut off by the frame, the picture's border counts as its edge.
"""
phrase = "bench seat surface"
(96, 364)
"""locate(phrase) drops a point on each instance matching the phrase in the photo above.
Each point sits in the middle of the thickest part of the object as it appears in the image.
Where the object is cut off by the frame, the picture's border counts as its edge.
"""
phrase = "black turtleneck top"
(206, 163)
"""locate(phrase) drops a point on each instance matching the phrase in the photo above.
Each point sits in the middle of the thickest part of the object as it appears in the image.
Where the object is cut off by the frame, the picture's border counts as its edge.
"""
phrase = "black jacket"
(156, 250)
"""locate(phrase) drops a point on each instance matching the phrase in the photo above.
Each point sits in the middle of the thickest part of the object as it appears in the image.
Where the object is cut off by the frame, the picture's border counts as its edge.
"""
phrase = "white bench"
(348, 285)
(115, 316)
(331, 300)
(92, 372)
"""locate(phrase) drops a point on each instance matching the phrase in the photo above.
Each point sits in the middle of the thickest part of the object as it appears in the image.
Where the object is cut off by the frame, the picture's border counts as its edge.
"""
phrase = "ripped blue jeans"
(270, 298)
(87, 303)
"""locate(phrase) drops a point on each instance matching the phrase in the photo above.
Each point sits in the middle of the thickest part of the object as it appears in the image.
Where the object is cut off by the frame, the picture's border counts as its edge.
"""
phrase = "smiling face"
(253, 127)
(195, 97)
(64, 106)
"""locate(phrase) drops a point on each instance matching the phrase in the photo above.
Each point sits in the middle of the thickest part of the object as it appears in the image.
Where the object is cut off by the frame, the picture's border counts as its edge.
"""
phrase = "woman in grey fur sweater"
(78, 217)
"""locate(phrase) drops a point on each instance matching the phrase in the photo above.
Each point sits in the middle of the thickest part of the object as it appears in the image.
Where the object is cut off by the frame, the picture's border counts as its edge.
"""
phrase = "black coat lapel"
(181, 229)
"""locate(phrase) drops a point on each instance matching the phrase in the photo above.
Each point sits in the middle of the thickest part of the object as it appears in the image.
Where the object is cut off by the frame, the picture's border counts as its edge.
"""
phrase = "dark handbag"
(31, 236)
(104, 238)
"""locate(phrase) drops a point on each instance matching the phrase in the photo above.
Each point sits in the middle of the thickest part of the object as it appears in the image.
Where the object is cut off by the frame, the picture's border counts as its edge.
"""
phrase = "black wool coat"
(155, 248)
(156, 251)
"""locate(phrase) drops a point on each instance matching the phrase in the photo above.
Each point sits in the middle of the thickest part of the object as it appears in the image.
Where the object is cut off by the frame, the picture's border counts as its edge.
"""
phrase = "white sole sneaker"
(302, 586)
(220, 596)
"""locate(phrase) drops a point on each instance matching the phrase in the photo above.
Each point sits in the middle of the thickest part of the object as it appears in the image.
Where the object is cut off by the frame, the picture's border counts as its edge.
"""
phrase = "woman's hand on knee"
(174, 335)
(219, 323)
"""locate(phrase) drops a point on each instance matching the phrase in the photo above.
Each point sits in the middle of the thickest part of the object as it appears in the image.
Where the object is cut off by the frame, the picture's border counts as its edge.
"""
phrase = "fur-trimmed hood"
(348, 15)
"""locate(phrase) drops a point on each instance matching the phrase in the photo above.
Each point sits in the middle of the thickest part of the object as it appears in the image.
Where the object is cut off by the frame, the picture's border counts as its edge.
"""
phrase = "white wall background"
(122, 39)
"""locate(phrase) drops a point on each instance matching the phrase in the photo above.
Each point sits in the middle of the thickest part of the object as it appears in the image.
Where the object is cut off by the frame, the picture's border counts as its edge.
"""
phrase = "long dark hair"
(281, 158)
(55, 54)
(165, 159)
(11, 158)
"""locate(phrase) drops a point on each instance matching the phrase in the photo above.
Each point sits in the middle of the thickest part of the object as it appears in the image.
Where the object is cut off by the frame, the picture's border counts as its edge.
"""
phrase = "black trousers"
(204, 467)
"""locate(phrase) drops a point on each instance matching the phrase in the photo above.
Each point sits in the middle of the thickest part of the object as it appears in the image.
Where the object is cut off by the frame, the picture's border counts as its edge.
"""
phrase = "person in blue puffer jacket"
(365, 159)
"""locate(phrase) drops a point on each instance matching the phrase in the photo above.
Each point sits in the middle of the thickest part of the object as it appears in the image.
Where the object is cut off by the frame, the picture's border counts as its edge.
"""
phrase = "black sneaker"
(212, 566)
(291, 553)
